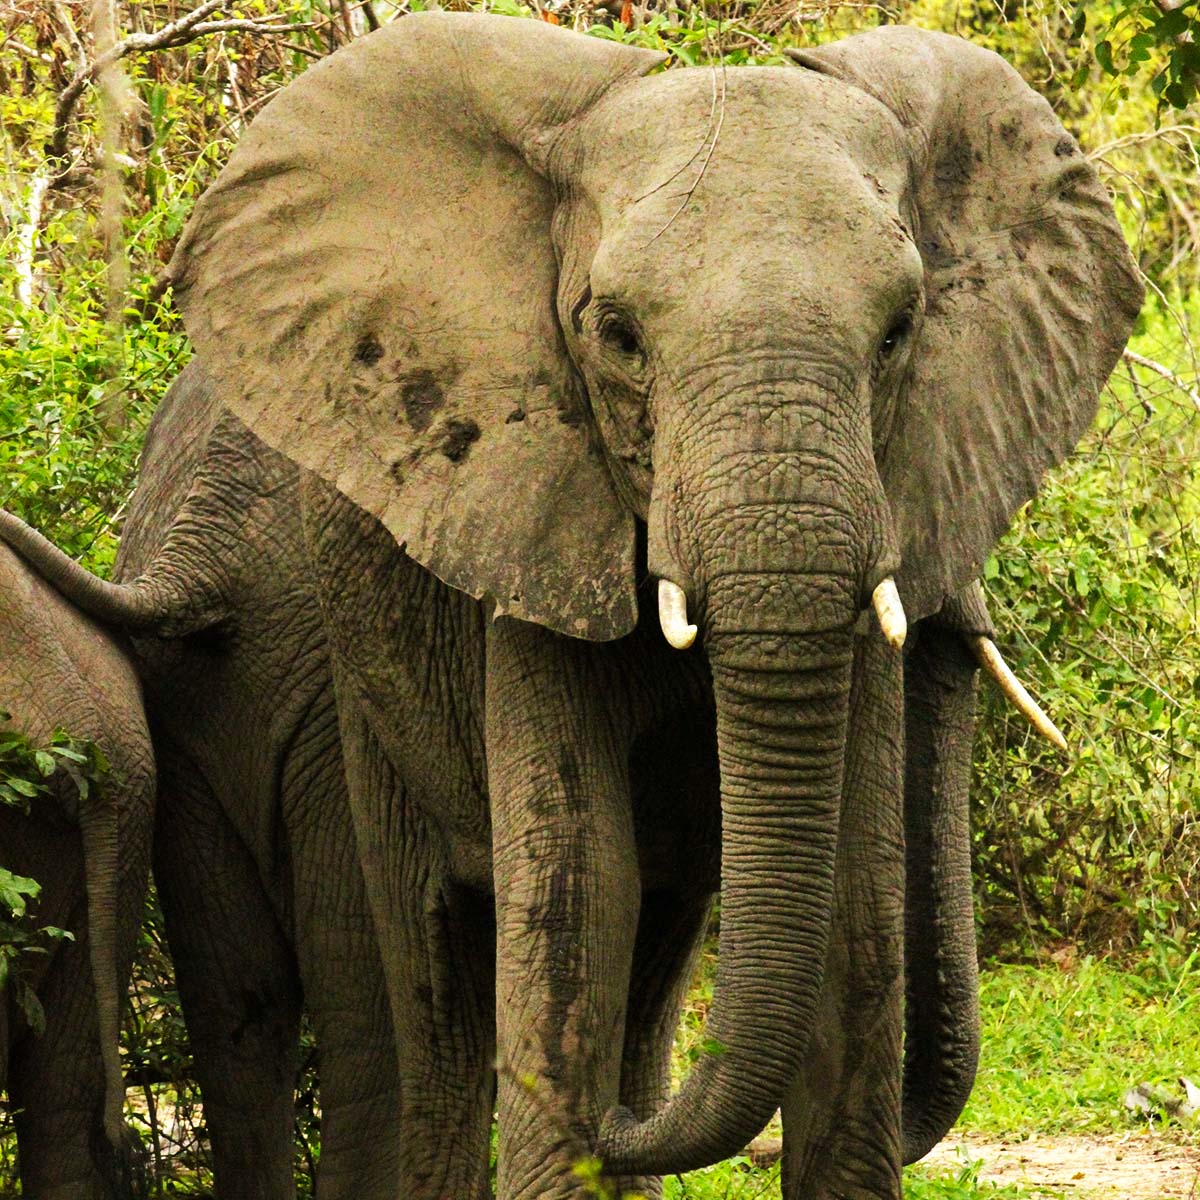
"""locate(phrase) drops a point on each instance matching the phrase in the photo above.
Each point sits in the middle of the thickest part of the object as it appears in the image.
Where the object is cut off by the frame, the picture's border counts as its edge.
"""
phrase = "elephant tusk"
(672, 615)
(890, 612)
(988, 654)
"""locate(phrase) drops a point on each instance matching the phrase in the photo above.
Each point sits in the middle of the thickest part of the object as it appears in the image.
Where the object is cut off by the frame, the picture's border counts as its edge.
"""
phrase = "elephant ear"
(1030, 296)
(370, 283)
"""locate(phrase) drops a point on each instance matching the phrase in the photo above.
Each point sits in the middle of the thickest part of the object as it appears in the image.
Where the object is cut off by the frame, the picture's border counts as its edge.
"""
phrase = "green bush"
(1096, 590)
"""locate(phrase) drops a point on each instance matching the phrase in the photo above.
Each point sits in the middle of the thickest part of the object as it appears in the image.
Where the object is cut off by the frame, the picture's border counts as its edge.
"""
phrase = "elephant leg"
(670, 934)
(238, 984)
(342, 974)
(567, 897)
(437, 950)
(56, 1083)
(841, 1115)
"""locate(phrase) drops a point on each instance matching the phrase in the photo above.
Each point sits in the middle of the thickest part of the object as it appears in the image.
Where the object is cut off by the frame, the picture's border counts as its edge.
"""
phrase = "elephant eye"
(617, 333)
(895, 336)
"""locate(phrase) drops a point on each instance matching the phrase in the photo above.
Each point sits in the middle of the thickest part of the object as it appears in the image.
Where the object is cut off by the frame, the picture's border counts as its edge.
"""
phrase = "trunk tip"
(613, 1139)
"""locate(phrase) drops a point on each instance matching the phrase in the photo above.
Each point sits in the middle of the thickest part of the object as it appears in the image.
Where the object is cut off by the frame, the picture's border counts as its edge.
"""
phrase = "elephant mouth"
(885, 601)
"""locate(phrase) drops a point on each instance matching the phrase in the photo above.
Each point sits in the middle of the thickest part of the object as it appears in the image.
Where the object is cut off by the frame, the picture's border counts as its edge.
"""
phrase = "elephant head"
(513, 293)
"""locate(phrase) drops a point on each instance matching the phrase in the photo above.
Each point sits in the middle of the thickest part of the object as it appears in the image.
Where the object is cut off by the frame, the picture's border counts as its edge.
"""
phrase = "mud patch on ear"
(458, 437)
(384, 345)
(369, 350)
(956, 164)
(422, 396)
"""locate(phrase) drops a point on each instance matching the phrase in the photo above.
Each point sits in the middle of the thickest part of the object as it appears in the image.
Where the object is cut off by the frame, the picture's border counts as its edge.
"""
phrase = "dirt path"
(1129, 1167)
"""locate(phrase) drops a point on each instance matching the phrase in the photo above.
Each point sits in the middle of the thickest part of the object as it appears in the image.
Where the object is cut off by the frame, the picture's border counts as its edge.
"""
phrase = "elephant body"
(91, 854)
(254, 827)
(787, 343)
(254, 853)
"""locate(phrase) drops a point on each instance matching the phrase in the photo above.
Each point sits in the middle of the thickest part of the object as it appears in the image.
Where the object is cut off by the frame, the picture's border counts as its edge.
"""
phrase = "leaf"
(1178, 94)
(1172, 24)
(69, 753)
(15, 890)
(31, 1006)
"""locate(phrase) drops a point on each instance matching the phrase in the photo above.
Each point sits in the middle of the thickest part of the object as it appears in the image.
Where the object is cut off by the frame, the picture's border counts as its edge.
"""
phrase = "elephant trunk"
(143, 605)
(776, 528)
(942, 1003)
(781, 743)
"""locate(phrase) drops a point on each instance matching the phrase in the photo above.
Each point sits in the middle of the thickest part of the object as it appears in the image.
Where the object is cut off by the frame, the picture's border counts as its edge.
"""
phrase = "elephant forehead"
(790, 204)
(753, 130)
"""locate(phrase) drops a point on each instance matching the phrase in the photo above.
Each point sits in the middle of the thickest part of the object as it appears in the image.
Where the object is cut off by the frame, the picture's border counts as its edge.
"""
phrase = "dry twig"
(1166, 373)
(180, 32)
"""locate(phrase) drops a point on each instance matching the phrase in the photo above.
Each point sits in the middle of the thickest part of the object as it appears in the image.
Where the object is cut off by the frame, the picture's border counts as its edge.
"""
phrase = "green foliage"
(962, 1183)
(1138, 37)
(735, 1179)
(1062, 1046)
(25, 767)
(1097, 594)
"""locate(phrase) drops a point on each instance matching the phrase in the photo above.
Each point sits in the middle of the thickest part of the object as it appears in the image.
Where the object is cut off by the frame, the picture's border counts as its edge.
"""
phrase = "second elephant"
(91, 855)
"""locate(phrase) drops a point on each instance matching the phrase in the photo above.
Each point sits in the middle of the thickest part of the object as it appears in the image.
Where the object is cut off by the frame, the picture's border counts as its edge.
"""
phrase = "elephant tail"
(98, 827)
(147, 603)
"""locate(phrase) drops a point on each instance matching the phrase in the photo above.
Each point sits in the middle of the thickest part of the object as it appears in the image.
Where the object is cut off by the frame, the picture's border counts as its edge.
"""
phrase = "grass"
(1061, 1047)
(1062, 1044)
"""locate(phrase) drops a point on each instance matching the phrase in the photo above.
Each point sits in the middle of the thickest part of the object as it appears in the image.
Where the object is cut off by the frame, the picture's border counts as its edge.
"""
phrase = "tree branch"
(27, 237)
(1164, 372)
(180, 32)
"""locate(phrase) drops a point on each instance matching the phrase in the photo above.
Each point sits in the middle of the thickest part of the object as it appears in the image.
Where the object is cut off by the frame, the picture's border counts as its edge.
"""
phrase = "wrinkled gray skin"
(254, 853)
(553, 327)
(59, 669)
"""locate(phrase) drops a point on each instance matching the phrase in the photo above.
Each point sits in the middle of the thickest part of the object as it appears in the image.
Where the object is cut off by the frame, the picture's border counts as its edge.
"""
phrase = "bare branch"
(239, 25)
(27, 51)
(1136, 139)
(308, 51)
(27, 237)
(70, 35)
(180, 32)
(1164, 373)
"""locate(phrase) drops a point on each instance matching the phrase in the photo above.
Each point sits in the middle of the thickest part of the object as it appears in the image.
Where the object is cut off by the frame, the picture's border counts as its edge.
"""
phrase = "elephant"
(91, 854)
(556, 355)
(254, 855)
